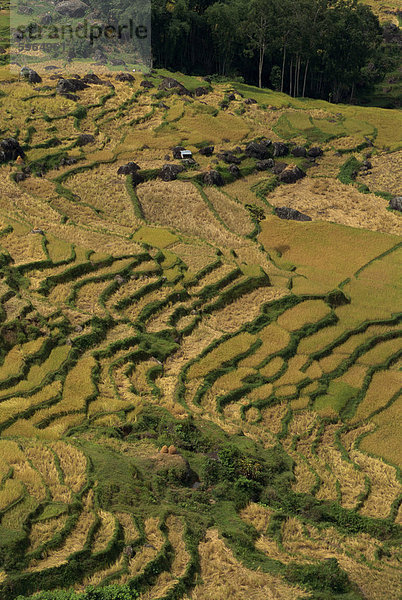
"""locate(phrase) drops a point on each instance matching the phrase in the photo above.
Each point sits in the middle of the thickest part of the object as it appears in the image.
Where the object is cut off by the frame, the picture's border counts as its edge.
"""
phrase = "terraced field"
(198, 399)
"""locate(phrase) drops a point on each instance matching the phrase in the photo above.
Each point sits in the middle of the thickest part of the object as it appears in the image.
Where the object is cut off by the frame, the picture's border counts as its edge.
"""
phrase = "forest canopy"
(331, 49)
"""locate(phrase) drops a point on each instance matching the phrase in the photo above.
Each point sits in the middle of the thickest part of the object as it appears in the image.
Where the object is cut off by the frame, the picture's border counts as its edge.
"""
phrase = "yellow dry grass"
(273, 415)
(258, 516)
(224, 352)
(245, 309)
(293, 374)
(31, 480)
(87, 300)
(166, 580)
(127, 523)
(179, 205)
(385, 441)
(37, 373)
(116, 205)
(42, 459)
(73, 463)
(212, 277)
(273, 338)
(380, 352)
(153, 544)
(105, 532)
(386, 173)
(230, 381)
(224, 577)
(232, 213)
(326, 253)
(196, 257)
(77, 387)
(74, 542)
(43, 531)
(354, 376)
(327, 199)
(302, 314)
(384, 485)
(272, 367)
(10, 492)
(16, 357)
(383, 386)
(99, 576)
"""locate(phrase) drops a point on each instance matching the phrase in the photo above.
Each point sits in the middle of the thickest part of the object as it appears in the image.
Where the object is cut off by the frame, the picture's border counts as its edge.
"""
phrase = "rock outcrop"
(10, 149)
(291, 174)
(169, 172)
(213, 178)
(71, 8)
(128, 169)
(284, 212)
(30, 75)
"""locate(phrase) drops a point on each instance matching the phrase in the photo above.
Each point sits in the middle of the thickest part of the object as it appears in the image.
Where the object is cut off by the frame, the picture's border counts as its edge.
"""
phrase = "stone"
(291, 174)
(213, 178)
(147, 84)
(92, 78)
(260, 150)
(72, 8)
(137, 178)
(280, 149)
(67, 86)
(30, 75)
(20, 176)
(250, 101)
(124, 77)
(177, 152)
(130, 167)
(169, 83)
(234, 170)
(67, 161)
(201, 91)
(366, 165)
(284, 212)
(169, 172)
(84, 139)
(315, 152)
(231, 97)
(228, 158)
(299, 151)
(279, 167)
(396, 203)
(207, 151)
(263, 165)
(10, 149)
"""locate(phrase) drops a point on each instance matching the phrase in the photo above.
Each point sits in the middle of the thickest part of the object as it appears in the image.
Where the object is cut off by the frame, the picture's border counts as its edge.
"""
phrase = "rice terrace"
(200, 357)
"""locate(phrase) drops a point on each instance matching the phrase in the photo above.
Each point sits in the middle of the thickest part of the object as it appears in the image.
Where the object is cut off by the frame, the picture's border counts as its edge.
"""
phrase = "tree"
(259, 28)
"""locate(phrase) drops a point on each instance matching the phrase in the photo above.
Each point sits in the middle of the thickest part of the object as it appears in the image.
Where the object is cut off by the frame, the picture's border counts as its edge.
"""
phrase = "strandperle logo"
(97, 32)
(36, 33)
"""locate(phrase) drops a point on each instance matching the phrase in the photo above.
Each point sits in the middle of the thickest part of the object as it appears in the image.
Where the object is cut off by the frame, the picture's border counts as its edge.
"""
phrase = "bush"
(325, 576)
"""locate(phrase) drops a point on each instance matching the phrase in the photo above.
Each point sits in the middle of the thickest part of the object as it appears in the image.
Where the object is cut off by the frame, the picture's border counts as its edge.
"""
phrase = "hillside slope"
(198, 399)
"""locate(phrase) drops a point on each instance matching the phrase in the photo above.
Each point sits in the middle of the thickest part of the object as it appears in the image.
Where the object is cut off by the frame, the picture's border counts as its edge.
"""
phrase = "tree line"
(330, 49)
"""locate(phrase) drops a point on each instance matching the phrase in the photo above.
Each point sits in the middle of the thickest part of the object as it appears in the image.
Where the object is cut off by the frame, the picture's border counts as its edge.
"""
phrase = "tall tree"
(259, 30)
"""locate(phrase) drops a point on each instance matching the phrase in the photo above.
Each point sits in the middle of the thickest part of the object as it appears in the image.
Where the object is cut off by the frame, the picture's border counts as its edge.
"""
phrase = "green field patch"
(336, 399)
(52, 510)
(155, 236)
